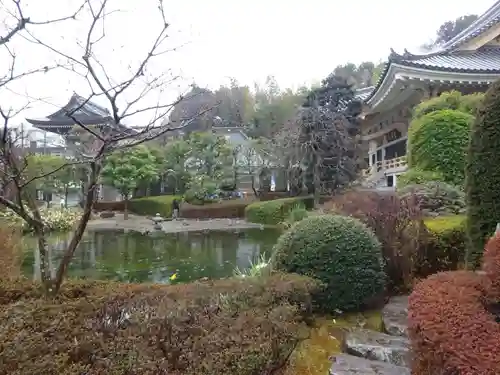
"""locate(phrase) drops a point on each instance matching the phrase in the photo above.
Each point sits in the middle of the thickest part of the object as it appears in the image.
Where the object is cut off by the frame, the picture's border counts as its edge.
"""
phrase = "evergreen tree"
(326, 136)
(483, 175)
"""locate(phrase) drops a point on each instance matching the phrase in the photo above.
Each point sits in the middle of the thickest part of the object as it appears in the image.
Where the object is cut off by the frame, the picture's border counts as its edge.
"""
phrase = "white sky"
(297, 41)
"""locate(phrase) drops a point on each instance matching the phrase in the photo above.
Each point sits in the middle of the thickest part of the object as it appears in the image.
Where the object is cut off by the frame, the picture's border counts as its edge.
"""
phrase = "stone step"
(345, 364)
(395, 316)
(377, 346)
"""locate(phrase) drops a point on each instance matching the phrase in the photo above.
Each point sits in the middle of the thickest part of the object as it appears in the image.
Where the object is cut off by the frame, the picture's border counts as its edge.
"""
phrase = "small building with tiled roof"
(469, 63)
(77, 110)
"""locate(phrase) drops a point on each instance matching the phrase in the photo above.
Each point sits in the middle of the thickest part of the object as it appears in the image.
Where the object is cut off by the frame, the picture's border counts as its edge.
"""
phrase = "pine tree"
(327, 128)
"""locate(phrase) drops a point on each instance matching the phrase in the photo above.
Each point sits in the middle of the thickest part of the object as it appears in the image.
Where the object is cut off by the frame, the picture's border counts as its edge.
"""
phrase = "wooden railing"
(383, 165)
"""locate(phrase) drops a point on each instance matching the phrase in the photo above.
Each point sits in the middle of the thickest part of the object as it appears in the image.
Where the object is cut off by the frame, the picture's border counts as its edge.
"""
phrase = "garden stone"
(344, 364)
(395, 316)
(107, 215)
(377, 346)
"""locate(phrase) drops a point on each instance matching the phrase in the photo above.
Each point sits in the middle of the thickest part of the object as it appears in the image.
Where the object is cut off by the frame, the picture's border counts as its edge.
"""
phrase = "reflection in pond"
(134, 257)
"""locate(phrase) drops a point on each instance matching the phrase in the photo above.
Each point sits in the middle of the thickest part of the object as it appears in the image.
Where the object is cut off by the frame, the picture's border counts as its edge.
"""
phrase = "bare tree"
(124, 99)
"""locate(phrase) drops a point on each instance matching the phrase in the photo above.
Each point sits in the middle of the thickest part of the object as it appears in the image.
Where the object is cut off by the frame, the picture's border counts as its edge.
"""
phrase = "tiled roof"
(484, 60)
(490, 18)
(364, 93)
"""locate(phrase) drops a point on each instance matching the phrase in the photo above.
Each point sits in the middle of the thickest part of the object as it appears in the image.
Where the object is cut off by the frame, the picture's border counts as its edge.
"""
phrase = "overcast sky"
(297, 41)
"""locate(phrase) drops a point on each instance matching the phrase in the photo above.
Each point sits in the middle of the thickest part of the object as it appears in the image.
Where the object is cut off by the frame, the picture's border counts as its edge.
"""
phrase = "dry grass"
(11, 254)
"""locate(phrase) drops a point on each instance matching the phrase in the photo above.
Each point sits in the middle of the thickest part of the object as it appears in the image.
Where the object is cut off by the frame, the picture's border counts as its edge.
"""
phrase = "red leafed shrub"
(491, 265)
(450, 328)
(395, 221)
(234, 208)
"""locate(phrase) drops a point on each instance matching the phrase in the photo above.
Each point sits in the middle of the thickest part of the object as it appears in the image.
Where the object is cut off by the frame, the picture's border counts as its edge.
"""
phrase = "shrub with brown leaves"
(450, 328)
(395, 221)
(11, 253)
(225, 327)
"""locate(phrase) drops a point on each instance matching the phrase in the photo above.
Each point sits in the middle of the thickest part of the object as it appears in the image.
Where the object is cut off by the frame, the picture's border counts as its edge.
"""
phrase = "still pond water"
(134, 257)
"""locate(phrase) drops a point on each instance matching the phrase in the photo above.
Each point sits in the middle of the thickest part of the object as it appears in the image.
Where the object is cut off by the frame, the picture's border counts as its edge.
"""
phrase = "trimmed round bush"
(416, 177)
(438, 142)
(482, 186)
(436, 198)
(339, 251)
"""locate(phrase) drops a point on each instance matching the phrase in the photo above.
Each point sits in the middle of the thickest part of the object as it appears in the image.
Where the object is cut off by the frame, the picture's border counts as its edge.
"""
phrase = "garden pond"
(183, 257)
(156, 257)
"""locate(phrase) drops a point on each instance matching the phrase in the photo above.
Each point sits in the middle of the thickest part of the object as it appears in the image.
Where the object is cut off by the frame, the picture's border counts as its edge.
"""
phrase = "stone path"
(378, 353)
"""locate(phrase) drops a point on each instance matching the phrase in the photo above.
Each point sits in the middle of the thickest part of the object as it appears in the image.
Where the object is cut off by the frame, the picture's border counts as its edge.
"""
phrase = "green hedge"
(444, 249)
(161, 204)
(438, 142)
(276, 211)
(482, 182)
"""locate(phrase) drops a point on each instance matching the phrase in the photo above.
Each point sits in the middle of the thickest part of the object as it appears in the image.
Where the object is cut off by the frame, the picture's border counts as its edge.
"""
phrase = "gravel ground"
(143, 224)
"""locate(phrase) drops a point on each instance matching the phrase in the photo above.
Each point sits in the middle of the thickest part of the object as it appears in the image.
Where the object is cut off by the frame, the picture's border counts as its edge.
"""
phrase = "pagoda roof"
(83, 110)
(449, 62)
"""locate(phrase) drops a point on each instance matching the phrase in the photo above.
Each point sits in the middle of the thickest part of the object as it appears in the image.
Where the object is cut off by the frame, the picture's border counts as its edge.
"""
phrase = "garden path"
(375, 353)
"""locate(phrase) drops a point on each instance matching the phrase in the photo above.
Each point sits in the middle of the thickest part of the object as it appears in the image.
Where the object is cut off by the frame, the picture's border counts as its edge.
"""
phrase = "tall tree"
(359, 76)
(325, 143)
(482, 176)
(235, 104)
(450, 29)
(273, 108)
(126, 169)
(197, 100)
(209, 155)
(174, 166)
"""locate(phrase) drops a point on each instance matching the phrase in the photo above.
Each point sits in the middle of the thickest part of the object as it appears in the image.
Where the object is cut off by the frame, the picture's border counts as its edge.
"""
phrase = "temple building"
(65, 123)
(468, 63)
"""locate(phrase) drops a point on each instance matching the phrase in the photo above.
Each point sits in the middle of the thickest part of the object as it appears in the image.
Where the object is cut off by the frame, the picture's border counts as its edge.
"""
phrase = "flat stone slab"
(395, 316)
(378, 346)
(345, 364)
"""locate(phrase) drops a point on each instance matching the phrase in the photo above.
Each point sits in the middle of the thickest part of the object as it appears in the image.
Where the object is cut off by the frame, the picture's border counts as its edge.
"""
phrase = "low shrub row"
(234, 326)
(100, 206)
(150, 206)
(234, 208)
(276, 211)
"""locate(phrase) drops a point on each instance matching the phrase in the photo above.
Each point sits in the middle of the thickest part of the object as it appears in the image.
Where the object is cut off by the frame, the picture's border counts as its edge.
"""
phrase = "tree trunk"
(253, 186)
(89, 198)
(44, 259)
(125, 207)
(66, 193)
